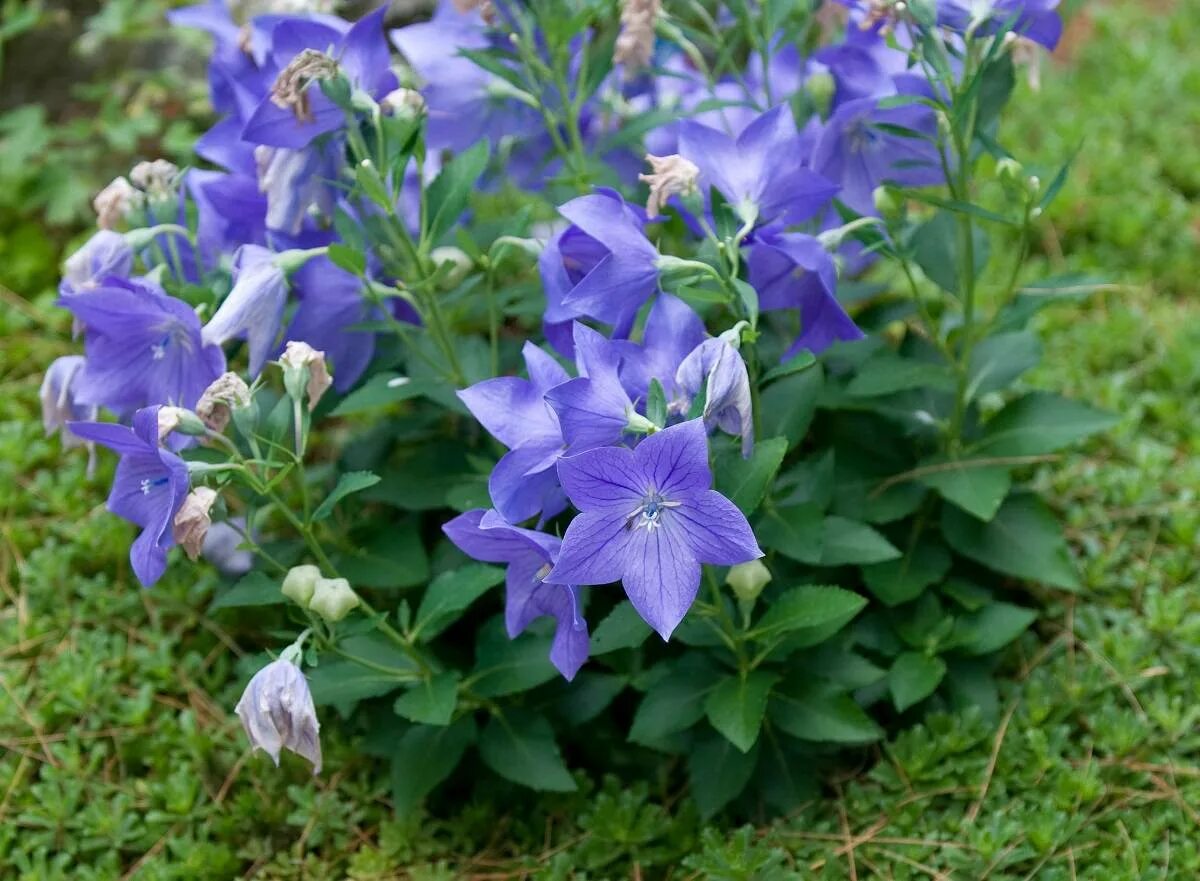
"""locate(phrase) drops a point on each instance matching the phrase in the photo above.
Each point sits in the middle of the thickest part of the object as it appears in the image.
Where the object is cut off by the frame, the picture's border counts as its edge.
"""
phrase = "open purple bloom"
(672, 330)
(485, 536)
(649, 518)
(626, 271)
(794, 271)
(148, 489)
(717, 367)
(143, 347)
(593, 409)
(254, 308)
(104, 254)
(761, 173)
(1036, 20)
(514, 411)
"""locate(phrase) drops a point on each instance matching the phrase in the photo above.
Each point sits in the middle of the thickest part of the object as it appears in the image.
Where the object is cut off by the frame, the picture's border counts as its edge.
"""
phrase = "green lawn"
(120, 756)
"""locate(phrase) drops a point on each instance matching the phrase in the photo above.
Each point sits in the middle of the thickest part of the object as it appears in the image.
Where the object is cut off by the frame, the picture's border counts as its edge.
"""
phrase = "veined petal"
(675, 461)
(715, 530)
(519, 492)
(510, 408)
(601, 479)
(593, 549)
(661, 576)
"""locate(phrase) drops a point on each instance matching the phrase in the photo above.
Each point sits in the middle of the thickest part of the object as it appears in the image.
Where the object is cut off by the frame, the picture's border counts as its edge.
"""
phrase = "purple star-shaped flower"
(143, 347)
(761, 173)
(649, 518)
(484, 535)
(148, 489)
(514, 411)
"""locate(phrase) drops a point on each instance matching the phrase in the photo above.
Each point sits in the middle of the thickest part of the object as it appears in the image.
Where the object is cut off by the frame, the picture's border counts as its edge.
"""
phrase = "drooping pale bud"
(58, 399)
(299, 584)
(277, 712)
(116, 202)
(254, 308)
(635, 43)
(748, 580)
(717, 367)
(403, 103)
(671, 175)
(333, 598)
(156, 179)
(227, 393)
(178, 419)
(192, 520)
(106, 253)
(460, 263)
(290, 90)
(304, 368)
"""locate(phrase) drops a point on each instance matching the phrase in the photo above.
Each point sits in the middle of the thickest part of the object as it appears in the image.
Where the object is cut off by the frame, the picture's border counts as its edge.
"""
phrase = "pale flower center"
(649, 513)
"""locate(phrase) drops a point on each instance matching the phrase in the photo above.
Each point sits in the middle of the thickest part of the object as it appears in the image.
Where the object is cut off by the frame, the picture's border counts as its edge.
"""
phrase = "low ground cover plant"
(700, 330)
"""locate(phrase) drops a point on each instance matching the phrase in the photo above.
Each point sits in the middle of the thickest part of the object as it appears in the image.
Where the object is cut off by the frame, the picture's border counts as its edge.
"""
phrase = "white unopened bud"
(277, 712)
(299, 584)
(192, 520)
(672, 175)
(156, 179)
(304, 367)
(116, 202)
(748, 580)
(460, 263)
(227, 392)
(333, 599)
(404, 103)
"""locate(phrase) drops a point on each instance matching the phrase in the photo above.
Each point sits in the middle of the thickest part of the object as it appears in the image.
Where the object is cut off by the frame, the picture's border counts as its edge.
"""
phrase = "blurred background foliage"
(119, 753)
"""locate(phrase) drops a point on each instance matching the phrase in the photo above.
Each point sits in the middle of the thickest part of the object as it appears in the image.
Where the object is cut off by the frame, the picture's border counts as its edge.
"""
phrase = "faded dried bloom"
(156, 179)
(1028, 54)
(192, 520)
(277, 712)
(302, 356)
(672, 175)
(116, 202)
(169, 419)
(635, 44)
(290, 90)
(228, 392)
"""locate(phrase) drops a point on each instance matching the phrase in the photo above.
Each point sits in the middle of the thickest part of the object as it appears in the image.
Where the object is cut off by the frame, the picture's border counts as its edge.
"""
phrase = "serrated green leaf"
(886, 374)
(507, 666)
(901, 580)
(350, 482)
(974, 485)
(737, 705)
(807, 606)
(846, 542)
(818, 712)
(802, 360)
(991, 628)
(379, 391)
(622, 628)
(449, 595)
(1024, 539)
(913, 677)
(794, 531)
(786, 406)
(520, 747)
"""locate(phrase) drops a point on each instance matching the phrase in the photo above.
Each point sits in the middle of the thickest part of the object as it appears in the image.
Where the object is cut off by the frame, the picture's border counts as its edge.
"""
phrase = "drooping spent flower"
(149, 488)
(104, 254)
(648, 519)
(254, 307)
(717, 367)
(143, 347)
(485, 536)
(761, 173)
(58, 399)
(228, 392)
(514, 411)
(635, 44)
(277, 712)
(304, 367)
(671, 176)
(192, 521)
(116, 202)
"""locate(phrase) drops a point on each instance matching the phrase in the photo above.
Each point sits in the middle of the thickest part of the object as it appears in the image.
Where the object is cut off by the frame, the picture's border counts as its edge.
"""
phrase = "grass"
(120, 757)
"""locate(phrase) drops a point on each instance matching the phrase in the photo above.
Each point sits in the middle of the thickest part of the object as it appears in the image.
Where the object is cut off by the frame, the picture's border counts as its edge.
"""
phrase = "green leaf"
(507, 666)
(622, 628)
(899, 581)
(447, 196)
(998, 360)
(718, 772)
(675, 702)
(343, 682)
(430, 702)
(886, 374)
(253, 589)
(991, 628)
(379, 391)
(850, 542)
(794, 531)
(1040, 423)
(786, 407)
(520, 747)
(817, 711)
(449, 595)
(425, 756)
(389, 560)
(1023, 539)
(656, 404)
(350, 482)
(744, 481)
(913, 677)
(737, 705)
(973, 485)
(802, 360)
(807, 606)
(936, 250)
(588, 695)
(347, 258)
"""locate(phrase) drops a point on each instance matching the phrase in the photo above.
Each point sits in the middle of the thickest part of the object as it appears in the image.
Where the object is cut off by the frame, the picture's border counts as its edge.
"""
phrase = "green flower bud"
(820, 88)
(333, 599)
(889, 204)
(748, 580)
(459, 264)
(299, 584)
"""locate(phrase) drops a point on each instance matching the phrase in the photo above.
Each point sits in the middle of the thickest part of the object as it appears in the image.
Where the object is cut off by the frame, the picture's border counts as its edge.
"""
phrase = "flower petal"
(661, 576)
(715, 530)
(593, 550)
